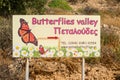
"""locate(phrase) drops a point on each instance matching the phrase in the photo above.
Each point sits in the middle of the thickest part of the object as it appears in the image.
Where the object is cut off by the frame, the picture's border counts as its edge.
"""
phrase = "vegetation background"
(106, 67)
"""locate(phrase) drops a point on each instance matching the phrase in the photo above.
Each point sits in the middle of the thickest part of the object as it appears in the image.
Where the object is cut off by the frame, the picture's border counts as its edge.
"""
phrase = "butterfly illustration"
(42, 50)
(25, 33)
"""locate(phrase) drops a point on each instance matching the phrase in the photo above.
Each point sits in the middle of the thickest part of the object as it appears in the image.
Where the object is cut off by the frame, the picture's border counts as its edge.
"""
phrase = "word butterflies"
(25, 33)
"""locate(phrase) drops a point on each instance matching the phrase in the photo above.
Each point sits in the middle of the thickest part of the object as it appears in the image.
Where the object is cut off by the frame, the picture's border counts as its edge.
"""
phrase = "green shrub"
(36, 6)
(62, 4)
(10, 7)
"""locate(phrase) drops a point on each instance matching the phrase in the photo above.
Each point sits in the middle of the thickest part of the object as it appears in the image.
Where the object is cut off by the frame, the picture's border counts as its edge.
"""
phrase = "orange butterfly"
(25, 33)
(42, 50)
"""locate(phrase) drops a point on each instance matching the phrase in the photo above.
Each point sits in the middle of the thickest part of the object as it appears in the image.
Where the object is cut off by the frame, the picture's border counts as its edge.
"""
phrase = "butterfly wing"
(24, 28)
(25, 38)
(41, 49)
(29, 38)
(24, 24)
(26, 34)
(32, 39)
(21, 32)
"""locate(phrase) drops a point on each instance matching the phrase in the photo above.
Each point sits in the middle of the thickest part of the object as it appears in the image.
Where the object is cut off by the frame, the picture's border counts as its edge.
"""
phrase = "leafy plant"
(62, 4)
(10, 7)
(36, 6)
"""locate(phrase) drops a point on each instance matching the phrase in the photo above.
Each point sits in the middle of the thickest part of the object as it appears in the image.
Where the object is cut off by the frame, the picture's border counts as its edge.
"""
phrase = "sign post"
(27, 70)
(83, 68)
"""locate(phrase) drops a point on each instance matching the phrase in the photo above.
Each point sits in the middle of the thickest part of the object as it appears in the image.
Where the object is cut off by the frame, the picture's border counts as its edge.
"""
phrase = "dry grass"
(5, 33)
(107, 19)
(2, 60)
(57, 11)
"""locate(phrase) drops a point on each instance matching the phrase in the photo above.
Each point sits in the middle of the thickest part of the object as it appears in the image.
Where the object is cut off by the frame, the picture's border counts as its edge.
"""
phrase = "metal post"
(83, 68)
(27, 70)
